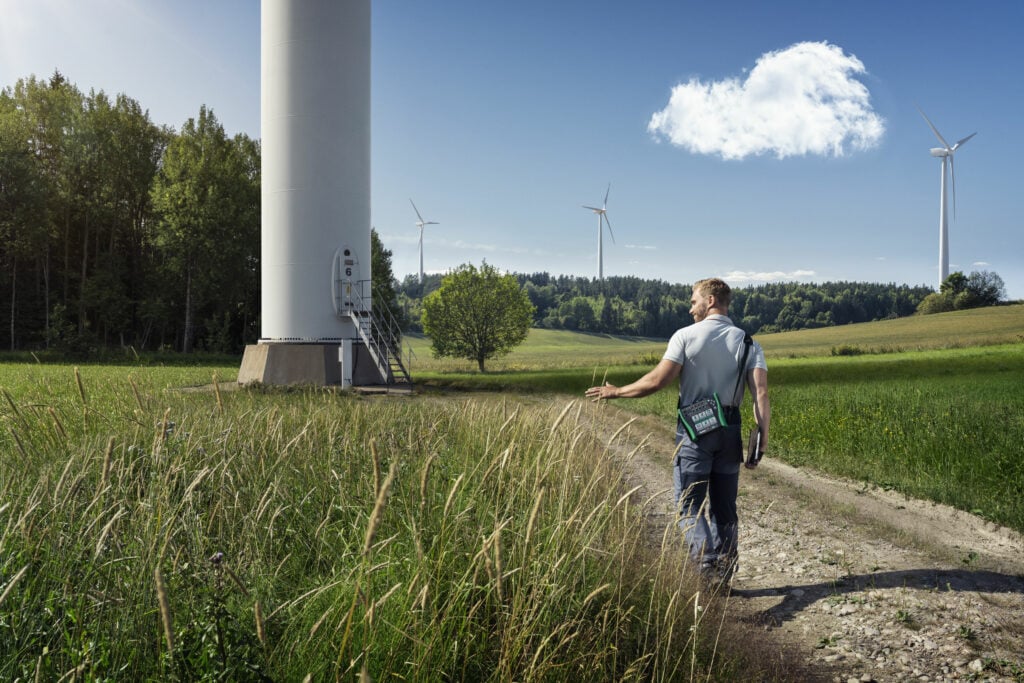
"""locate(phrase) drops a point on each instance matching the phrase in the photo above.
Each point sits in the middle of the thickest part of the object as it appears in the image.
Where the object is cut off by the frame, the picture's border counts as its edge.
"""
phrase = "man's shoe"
(711, 578)
(727, 569)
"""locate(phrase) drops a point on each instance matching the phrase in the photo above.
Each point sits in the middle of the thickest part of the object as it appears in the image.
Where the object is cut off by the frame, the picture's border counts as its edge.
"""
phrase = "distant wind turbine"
(602, 218)
(419, 224)
(946, 153)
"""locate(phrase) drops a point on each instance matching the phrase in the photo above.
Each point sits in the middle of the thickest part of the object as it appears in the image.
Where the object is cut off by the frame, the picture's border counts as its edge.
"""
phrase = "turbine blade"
(431, 223)
(593, 208)
(957, 145)
(934, 129)
(605, 217)
(606, 195)
(416, 210)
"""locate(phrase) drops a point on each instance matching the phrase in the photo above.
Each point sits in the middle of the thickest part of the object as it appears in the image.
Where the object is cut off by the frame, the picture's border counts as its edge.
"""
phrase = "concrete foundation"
(316, 364)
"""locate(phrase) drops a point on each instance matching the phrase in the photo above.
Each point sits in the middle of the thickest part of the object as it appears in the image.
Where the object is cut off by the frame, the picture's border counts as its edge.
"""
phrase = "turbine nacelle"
(940, 152)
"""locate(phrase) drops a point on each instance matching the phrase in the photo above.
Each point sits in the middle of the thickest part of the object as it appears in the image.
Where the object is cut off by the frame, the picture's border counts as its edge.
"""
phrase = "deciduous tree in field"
(477, 314)
(959, 291)
(986, 287)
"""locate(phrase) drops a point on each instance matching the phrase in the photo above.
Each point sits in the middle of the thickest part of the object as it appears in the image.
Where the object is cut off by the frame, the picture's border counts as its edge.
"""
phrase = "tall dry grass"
(246, 535)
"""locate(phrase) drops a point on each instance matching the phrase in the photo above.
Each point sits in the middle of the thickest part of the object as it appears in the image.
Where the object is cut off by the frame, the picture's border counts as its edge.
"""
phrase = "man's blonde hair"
(715, 287)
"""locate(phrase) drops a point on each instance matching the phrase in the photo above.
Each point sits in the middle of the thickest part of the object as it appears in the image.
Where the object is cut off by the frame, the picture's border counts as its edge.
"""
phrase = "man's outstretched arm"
(657, 379)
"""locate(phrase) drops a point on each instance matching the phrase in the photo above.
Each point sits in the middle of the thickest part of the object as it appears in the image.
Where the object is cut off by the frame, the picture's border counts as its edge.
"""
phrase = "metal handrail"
(385, 334)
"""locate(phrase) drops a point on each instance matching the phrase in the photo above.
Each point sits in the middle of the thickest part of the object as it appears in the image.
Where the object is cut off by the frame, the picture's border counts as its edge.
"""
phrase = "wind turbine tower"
(602, 220)
(419, 224)
(315, 201)
(946, 154)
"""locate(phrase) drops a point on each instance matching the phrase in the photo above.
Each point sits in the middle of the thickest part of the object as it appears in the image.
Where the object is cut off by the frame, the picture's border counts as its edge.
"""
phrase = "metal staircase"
(379, 331)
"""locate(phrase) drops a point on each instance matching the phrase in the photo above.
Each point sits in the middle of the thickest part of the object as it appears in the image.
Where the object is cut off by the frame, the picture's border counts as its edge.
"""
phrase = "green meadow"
(544, 350)
(156, 524)
(547, 350)
(973, 327)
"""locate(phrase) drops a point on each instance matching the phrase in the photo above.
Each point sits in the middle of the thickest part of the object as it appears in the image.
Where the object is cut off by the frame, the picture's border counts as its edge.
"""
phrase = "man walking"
(711, 357)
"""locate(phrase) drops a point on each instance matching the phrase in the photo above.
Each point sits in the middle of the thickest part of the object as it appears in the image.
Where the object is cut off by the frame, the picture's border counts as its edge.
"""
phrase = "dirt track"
(867, 585)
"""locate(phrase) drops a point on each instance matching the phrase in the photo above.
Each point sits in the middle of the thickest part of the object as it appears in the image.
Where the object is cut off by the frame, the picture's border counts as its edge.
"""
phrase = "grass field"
(975, 327)
(150, 531)
(545, 350)
(155, 533)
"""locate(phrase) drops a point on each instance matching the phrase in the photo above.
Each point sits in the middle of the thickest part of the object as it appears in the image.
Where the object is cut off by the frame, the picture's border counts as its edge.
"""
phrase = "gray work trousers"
(706, 477)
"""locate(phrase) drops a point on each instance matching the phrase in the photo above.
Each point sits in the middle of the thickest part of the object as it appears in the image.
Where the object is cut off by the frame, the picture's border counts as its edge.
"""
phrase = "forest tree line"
(116, 231)
(655, 308)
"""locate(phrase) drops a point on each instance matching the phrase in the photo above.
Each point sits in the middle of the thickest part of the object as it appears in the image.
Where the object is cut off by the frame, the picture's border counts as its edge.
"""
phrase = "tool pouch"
(702, 417)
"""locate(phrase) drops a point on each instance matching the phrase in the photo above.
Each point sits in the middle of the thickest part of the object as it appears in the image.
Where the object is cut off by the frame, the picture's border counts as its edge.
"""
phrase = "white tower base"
(314, 364)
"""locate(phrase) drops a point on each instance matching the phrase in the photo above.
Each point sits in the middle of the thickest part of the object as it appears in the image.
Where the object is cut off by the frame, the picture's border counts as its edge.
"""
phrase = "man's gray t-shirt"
(710, 352)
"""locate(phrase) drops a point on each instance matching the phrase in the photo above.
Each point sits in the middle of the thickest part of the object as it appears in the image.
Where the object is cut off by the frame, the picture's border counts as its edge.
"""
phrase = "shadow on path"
(797, 597)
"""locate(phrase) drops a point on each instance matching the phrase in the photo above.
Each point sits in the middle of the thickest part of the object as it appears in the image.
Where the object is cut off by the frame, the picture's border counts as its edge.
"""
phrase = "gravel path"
(866, 584)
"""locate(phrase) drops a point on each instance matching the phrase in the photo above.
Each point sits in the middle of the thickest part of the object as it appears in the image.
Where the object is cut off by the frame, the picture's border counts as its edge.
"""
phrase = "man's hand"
(608, 390)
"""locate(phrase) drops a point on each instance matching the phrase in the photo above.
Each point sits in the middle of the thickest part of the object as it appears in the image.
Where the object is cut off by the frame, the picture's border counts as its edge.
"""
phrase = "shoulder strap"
(747, 343)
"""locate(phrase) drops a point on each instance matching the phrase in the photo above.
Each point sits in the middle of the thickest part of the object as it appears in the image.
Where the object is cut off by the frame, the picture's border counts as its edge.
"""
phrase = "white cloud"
(463, 244)
(646, 247)
(798, 101)
(738, 276)
(980, 264)
(413, 238)
(392, 238)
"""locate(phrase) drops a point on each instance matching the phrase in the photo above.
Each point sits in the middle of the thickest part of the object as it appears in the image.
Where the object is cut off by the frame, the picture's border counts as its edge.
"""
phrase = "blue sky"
(501, 119)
